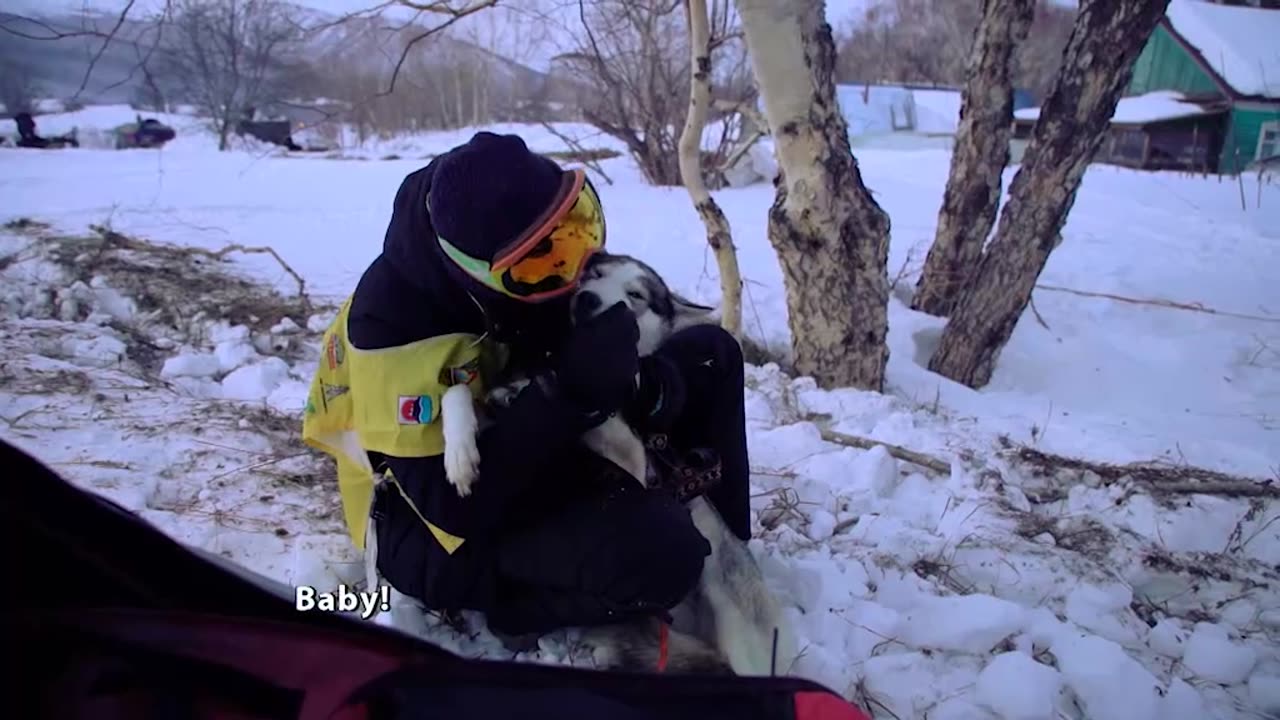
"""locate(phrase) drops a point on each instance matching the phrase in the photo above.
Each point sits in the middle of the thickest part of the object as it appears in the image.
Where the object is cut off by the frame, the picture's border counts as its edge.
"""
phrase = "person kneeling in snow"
(551, 535)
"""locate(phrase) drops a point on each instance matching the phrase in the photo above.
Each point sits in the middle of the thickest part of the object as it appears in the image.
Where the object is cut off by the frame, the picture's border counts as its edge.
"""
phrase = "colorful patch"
(334, 352)
(415, 409)
(333, 391)
(310, 408)
(462, 375)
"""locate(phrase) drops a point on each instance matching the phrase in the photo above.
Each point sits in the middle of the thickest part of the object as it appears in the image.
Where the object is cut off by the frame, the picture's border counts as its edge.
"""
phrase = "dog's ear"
(686, 313)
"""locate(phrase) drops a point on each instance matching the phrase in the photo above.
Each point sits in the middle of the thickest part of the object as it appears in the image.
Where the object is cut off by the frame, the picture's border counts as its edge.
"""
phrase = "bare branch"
(13, 24)
(93, 61)
(143, 60)
(8, 22)
(441, 8)
(577, 147)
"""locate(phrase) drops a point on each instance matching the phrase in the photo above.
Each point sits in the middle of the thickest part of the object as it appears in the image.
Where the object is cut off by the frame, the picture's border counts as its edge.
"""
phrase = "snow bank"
(920, 594)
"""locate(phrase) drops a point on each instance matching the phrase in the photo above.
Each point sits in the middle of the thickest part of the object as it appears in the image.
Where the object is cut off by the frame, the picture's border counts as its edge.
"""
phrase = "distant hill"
(56, 67)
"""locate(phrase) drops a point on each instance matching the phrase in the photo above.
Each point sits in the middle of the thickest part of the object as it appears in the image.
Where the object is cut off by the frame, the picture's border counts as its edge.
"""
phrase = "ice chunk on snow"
(1182, 702)
(1168, 638)
(320, 322)
(256, 381)
(821, 525)
(222, 331)
(784, 446)
(197, 387)
(1270, 618)
(1103, 609)
(876, 469)
(98, 351)
(910, 685)
(1109, 683)
(1214, 657)
(1264, 692)
(190, 365)
(271, 344)
(233, 354)
(966, 623)
(758, 408)
(1239, 612)
(818, 583)
(289, 397)
(1016, 687)
(286, 326)
(108, 300)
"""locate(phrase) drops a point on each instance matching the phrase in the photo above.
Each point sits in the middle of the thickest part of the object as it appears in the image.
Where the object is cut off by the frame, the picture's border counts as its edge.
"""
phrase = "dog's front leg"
(614, 440)
(460, 425)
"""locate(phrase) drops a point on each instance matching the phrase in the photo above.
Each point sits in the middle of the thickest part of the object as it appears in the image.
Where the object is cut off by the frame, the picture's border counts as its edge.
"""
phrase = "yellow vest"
(388, 401)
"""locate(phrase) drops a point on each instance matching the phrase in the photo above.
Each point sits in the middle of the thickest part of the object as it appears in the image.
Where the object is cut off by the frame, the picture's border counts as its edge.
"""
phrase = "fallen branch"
(1158, 302)
(936, 464)
(267, 250)
(124, 241)
(1039, 317)
(1176, 480)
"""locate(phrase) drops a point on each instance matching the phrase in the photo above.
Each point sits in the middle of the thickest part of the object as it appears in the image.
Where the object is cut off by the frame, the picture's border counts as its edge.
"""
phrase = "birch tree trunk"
(831, 236)
(719, 234)
(1096, 67)
(979, 157)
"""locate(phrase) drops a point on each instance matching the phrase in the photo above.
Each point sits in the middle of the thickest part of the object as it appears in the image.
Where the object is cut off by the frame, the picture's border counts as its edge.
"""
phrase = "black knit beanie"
(485, 192)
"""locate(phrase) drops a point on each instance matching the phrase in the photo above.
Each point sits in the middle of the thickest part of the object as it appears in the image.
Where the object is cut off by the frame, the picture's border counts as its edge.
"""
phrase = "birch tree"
(1096, 67)
(979, 157)
(719, 234)
(831, 236)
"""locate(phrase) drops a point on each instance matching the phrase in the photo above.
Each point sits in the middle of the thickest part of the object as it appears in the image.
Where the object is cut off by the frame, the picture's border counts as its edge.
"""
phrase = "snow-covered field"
(1009, 587)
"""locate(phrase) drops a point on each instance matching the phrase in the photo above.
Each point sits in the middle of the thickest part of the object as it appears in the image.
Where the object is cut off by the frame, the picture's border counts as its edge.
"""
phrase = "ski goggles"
(549, 257)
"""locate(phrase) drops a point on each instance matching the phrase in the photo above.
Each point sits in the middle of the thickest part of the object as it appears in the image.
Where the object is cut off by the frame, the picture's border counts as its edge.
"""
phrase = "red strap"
(663, 634)
(812, 705)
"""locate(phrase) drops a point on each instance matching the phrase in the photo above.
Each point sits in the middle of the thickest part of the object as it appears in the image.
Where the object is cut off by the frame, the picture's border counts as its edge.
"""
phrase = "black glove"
(597, 365)
(659, 399)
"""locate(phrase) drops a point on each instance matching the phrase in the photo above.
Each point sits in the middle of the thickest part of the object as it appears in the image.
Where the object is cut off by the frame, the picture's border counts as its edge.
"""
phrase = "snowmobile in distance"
(149, 133)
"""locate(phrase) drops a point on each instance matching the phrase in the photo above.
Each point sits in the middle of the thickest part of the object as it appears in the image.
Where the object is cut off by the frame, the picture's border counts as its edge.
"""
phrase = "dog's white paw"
(460, 425)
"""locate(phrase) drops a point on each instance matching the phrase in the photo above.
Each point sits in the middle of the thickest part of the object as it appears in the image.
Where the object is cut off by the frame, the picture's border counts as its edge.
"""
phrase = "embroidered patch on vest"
(415, 409)
(464, 374)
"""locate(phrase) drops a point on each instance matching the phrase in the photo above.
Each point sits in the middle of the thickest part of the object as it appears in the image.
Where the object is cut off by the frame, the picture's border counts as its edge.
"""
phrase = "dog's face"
(610, 279)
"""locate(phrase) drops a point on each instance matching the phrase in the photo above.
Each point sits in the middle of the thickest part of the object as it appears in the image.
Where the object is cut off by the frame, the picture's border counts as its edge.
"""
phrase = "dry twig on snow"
(934, 463)
(1157, 478)
(1158, 302)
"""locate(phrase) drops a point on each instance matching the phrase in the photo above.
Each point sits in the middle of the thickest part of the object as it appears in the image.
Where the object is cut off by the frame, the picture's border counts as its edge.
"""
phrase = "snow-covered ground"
(999, 589)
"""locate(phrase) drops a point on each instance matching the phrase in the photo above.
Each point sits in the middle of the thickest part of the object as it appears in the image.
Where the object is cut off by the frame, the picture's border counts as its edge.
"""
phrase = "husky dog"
(732, 617)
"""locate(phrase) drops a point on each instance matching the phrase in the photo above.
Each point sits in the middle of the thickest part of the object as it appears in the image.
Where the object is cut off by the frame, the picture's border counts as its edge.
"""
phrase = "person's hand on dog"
(659, 398)
(597, 365)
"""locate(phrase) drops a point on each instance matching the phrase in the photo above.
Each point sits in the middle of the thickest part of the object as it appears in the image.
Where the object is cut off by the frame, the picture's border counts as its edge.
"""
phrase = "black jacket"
(411, 292)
